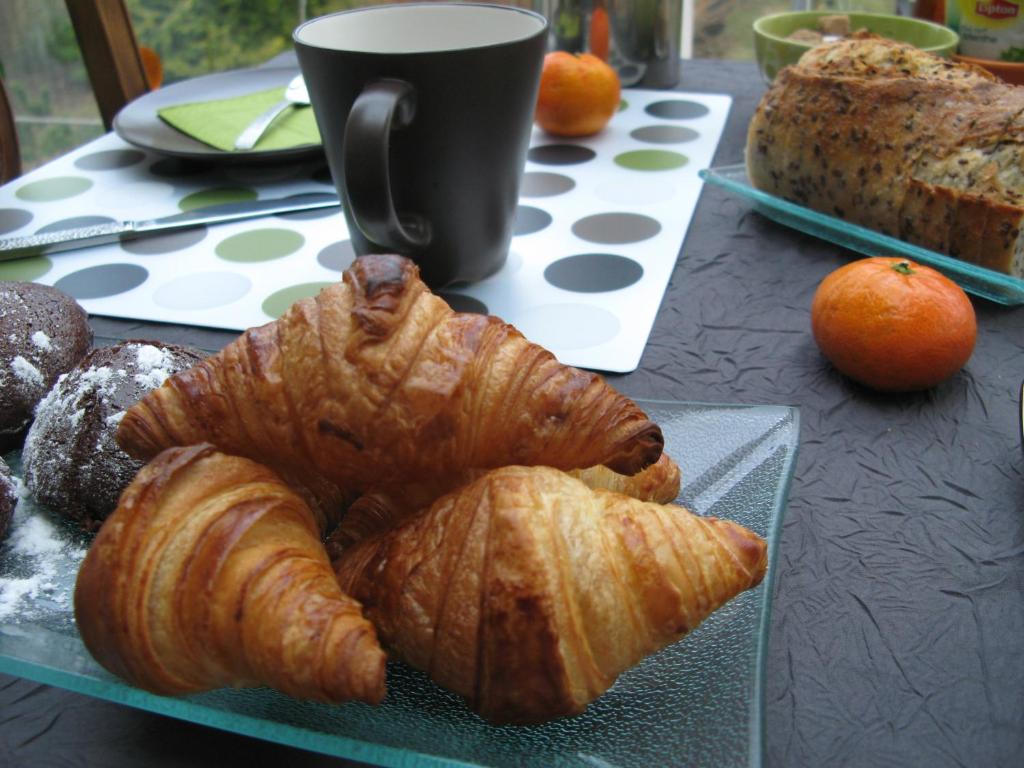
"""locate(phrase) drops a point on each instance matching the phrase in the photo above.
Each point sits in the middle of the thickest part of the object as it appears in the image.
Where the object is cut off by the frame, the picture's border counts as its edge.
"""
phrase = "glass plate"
(698, 702)
(980, 281)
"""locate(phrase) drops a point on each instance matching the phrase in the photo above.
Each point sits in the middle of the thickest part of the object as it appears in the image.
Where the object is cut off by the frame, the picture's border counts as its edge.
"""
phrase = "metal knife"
(119, 231)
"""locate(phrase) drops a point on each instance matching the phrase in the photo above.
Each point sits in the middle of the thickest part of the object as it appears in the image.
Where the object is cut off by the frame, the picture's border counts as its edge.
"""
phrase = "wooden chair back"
(110, 52)
(10, 156)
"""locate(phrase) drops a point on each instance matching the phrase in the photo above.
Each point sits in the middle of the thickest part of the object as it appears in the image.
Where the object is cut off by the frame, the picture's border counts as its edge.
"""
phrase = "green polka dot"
(276, 304)
(216, 196)
(25, 270)
(48, 190)
(623, 105)
(259, 245)
(651, 160)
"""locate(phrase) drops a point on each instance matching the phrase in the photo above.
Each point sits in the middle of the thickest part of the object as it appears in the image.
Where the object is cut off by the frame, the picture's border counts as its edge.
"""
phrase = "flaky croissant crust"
(528, 593)
(387, 506)
(377, 379)
(211, 573)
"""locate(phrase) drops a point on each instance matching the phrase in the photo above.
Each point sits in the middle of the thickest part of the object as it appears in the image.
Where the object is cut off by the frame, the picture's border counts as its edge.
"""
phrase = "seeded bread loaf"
(901, 141)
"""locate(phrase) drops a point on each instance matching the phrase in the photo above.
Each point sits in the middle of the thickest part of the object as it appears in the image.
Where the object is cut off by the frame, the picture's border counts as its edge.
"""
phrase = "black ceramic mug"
(425, 111)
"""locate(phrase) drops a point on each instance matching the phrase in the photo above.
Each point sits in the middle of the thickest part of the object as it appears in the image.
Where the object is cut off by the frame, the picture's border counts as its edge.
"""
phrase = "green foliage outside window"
(194, 37)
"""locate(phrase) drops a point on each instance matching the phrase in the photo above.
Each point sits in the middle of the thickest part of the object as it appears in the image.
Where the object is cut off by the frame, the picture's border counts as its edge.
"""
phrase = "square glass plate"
(980, 281)
(697, 702)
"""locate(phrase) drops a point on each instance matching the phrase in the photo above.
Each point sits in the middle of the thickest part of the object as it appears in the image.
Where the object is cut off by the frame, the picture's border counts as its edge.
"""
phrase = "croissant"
(528, 593)
(659, 482)
(211, 573)
(381, 509)
(377, 379)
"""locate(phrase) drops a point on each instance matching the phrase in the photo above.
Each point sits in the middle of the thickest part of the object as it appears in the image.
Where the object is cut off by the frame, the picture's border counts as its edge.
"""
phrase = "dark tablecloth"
(897, 636)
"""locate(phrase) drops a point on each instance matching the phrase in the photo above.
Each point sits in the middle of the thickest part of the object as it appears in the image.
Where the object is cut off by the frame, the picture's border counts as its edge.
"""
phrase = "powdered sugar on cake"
(154, 364)
(72, 460)
(39, 566)
(42, 341)
(26, 372)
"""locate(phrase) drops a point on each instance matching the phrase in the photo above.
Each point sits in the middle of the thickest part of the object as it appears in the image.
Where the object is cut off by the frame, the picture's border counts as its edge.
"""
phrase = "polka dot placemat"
(600, 225)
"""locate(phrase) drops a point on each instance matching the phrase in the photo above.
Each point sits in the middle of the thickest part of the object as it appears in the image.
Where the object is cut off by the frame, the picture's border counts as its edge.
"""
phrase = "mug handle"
(384, 105)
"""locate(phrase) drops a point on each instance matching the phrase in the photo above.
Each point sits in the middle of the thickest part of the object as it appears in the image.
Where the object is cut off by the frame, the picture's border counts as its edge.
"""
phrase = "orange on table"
(578, 95)
(152, 65)
(599, 40)
(892, 324)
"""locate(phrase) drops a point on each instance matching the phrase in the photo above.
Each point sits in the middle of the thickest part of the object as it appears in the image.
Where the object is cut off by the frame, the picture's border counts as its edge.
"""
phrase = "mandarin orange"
(578, 95)
(152, 65)
(600, 34)
(893, 325)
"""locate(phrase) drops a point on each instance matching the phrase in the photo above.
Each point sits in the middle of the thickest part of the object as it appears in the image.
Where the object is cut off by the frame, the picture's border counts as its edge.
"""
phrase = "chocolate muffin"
(8, 497)
(71, 460)
(43, 333)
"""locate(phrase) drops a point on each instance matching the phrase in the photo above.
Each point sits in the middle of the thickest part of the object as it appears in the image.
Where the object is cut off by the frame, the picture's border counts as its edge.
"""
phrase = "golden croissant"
(528, 593)
(377, 379)
(211, 573)
(659, 482)
(384, 508)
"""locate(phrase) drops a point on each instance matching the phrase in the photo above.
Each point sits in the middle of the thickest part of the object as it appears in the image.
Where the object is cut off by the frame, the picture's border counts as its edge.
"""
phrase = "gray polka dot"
(337, 256)
(102, 281)
(172, 241)
(677, 109)
(530, 220)
(461, 303)
(560, 154)
(593, 273)
(13, 218)
(74, 223)
(664, 134)
(314, 213)
(541, 184)
(616, 228)
(109, 160)
(173, 167)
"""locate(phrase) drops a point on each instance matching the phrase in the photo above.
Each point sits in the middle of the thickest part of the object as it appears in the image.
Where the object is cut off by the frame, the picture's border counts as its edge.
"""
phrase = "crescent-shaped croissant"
(528, 593)
(377, 379)
(211, 573)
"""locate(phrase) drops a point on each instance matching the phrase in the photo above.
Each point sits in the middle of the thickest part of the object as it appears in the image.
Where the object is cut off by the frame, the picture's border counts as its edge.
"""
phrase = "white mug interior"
(419, 28)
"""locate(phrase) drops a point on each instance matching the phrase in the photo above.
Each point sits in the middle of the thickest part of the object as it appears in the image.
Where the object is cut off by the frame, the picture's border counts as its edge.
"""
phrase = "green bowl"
(774, 51)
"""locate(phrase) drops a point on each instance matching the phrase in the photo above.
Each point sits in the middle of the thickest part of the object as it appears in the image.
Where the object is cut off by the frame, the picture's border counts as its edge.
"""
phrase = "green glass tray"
(698, 702)
(980, 281)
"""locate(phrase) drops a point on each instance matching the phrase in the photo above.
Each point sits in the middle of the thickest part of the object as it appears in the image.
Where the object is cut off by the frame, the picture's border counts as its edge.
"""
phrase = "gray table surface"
(897, 635)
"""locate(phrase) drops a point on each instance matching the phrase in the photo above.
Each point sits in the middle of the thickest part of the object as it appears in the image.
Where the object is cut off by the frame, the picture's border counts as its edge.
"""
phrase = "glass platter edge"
(986, 283)
(737, 463)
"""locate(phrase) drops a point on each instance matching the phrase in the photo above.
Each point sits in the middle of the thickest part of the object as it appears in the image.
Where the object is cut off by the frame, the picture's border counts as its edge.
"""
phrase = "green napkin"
(219, 123)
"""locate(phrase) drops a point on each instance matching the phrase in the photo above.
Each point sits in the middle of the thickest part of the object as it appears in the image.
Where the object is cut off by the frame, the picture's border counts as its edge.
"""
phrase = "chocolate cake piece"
(43, 333)
(72, 462)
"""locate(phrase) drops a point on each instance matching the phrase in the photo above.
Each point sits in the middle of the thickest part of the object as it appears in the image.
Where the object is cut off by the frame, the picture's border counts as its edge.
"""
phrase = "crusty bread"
(901, 141)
